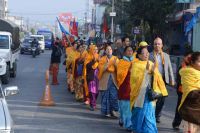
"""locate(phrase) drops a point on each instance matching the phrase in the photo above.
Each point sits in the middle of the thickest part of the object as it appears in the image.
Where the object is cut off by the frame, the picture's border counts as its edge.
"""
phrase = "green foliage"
(150, 15)
(153, 12)
(32, 31)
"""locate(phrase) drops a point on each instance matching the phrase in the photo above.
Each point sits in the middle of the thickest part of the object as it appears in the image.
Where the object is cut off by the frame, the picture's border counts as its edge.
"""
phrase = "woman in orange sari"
(92, 77)
(108, 83)
(78, 71)
(72, 55)
(89, 57)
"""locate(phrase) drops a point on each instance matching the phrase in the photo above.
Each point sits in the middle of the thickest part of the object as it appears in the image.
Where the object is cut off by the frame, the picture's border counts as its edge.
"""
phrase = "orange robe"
(72, 55)
(105, 73)
(89, 57)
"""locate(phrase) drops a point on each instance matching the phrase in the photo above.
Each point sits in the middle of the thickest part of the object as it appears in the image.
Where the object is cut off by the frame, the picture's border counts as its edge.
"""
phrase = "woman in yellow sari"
(143, 109)
(72, 54)
(108, 84)
(189, 108)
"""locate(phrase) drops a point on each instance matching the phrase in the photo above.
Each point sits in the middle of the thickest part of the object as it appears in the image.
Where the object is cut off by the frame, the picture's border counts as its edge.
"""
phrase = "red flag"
(74, 29)
(105, 26)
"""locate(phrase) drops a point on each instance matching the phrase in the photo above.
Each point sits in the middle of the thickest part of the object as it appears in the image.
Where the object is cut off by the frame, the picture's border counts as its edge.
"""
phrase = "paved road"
(67, 116)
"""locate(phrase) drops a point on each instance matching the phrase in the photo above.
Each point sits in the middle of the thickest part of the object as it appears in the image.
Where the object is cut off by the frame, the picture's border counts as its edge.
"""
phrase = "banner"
(66, 18)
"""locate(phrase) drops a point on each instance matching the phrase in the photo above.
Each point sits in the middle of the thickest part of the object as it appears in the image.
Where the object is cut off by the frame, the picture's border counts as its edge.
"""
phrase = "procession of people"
(131, 82)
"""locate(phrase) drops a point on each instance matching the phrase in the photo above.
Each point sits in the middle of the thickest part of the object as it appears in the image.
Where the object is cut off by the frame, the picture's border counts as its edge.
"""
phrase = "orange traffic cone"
(47, 99)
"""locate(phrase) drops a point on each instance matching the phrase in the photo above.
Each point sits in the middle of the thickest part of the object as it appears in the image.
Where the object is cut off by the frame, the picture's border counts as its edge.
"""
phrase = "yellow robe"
(111, 66)
(88, 58)
(122, 69)
(137, 76)
(190, 80)
(104, 73)
(72, 55)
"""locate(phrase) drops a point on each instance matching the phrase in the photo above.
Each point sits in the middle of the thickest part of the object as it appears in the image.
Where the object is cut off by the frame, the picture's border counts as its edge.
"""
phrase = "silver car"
(6, 123)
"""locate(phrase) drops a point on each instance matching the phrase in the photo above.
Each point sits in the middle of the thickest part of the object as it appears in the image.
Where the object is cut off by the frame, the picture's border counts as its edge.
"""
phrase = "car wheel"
(5, 78)
(14, 70)
(21, 52)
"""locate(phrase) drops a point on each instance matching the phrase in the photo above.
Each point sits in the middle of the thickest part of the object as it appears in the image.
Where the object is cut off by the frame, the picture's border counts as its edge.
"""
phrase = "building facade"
(3, 8)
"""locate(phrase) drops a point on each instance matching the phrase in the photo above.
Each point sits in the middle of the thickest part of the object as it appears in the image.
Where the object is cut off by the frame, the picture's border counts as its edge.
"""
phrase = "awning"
(178, 17)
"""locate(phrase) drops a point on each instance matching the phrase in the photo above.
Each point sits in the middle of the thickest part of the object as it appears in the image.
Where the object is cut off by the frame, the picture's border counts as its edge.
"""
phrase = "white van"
(41, 41)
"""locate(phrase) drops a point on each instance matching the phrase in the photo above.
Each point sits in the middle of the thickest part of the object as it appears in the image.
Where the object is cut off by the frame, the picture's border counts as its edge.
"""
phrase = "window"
(4, 42)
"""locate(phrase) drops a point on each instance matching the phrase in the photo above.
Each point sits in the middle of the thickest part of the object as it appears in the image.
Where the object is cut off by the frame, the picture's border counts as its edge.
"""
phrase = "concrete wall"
(196, 37)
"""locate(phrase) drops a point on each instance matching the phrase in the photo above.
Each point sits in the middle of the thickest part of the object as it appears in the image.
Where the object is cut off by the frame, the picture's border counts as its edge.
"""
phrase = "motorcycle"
(33, 51)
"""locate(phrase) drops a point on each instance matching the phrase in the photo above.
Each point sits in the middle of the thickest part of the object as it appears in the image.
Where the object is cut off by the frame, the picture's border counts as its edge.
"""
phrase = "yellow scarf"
(137, 76)
(122, 70)
(71, 54)
(111, 66)
(162, 57)
(190, 80)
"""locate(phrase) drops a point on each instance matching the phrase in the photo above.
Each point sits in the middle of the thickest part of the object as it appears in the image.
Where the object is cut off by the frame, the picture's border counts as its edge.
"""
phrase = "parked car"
(6, 122)
(9, 50)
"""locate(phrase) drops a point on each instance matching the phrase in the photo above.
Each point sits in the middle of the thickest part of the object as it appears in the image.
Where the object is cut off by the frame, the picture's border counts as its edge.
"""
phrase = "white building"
(2, 9)
(6, 8)
(17, 20)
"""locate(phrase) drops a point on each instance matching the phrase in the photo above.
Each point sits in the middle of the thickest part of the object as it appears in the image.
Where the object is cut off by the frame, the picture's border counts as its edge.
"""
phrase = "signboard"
(98, 28)
(185, 1)
(136, 30)
(112, 14)
(65, 18)
(99, 1)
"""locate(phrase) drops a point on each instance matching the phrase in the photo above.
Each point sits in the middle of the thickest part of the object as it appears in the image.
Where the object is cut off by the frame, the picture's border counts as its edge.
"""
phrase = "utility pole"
(85, 22)
(55, 28)
(27, 24)
(21, 23)
(112, 14)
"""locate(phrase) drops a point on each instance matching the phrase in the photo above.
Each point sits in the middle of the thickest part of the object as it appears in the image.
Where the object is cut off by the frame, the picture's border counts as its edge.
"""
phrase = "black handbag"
(152, 95)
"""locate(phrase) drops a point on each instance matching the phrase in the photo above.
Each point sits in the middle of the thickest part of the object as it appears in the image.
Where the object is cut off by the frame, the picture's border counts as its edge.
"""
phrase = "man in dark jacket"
(55, 61)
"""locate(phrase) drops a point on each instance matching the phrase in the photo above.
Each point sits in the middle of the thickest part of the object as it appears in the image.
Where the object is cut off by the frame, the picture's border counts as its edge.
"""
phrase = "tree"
(151, 12)
(32, 31)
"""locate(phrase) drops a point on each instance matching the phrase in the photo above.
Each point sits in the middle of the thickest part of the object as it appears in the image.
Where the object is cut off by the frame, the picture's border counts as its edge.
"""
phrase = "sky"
(45, 11)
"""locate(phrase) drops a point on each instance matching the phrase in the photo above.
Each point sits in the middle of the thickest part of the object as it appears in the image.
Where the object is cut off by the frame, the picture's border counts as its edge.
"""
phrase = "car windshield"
(27, 40)
(38, 38)
(47, 36)
(4, 42)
